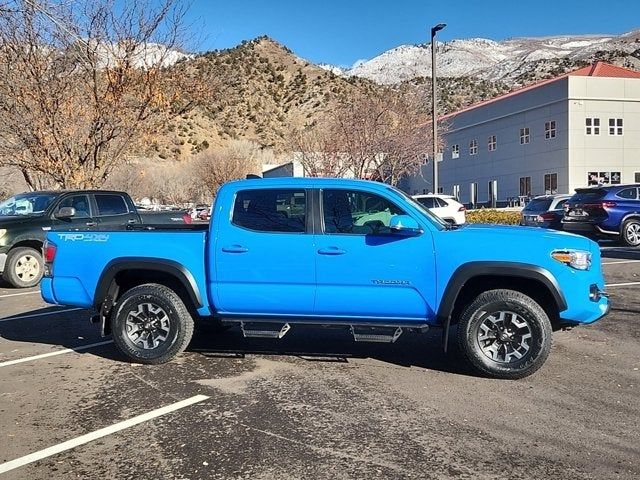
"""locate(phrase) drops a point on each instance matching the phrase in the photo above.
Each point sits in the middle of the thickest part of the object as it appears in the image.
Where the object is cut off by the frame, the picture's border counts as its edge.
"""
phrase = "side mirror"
(404, 225)
(65, 212)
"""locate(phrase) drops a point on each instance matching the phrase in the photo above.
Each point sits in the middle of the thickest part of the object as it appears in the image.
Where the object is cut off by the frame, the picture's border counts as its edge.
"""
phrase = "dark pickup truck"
(26, 218)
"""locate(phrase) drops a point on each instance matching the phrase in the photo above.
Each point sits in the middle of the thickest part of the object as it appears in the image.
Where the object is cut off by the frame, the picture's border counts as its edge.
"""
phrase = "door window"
(268, 210)
(80, 203)
(357, 213)
(109, 204)
(628, 194)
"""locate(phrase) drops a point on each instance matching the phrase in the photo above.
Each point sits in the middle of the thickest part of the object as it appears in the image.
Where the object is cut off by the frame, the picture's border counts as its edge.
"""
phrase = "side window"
(109, 204)
(427, 202)
(80, 203)
(628, 194)
(357, 213)
(268, 210)
(560, 204)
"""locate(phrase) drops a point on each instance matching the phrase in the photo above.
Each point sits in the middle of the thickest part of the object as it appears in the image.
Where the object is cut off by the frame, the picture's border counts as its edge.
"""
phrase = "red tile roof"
(598, 69)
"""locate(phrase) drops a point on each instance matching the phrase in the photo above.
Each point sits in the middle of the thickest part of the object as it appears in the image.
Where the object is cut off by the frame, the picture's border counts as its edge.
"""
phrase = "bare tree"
(83, 85)
(382, 135)
(236, 161)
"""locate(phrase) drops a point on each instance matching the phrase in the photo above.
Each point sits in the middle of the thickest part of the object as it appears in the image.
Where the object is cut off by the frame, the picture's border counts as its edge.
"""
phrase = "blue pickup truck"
(351, 254)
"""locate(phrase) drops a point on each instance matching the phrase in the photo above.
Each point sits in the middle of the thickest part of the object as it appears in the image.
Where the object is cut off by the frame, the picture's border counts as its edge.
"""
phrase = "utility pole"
(434, 109)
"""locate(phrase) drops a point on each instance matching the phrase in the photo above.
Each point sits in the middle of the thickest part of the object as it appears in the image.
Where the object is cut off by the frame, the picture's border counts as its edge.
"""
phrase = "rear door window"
(628, 194)
(427, 202)
(271, 210)
(110, 204)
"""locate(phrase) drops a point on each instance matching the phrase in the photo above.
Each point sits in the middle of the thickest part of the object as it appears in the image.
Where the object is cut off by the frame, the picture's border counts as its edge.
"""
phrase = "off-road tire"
(180, 323)
(628, 238)
(17, 255)
(488, 304)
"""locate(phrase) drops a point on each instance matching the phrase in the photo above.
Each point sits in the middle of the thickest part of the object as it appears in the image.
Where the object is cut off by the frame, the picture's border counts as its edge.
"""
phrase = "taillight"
(608, 204)
(187, 218)
(49, 251)
(545, 217)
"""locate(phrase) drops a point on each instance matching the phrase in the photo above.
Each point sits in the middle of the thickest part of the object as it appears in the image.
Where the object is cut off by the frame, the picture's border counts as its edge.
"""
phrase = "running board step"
(264, 330)
(376, 334)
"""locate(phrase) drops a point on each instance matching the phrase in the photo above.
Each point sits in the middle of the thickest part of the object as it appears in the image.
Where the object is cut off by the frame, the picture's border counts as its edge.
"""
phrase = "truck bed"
(82, 258)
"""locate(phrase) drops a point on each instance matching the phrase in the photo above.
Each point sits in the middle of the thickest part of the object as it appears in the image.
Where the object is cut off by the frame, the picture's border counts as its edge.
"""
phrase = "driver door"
(83, 219)
(363, 268)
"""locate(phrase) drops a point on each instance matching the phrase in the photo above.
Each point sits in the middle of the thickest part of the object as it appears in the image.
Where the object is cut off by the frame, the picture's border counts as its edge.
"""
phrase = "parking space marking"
(103, 432)
(620, 261)
(21, 317)
(627, 284)
(53, 354)
(19, 294)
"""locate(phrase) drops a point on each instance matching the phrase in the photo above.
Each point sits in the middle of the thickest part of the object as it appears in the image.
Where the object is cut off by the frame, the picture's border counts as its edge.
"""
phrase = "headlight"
(578, 259)
(2, 232)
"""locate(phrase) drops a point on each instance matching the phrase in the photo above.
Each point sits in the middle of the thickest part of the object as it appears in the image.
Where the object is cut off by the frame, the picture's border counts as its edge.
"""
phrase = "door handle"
(235, 249)
(91, 224)
(331, 251)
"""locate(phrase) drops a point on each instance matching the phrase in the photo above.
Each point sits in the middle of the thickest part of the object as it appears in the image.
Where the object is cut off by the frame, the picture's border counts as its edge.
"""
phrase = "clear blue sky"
(342, 32)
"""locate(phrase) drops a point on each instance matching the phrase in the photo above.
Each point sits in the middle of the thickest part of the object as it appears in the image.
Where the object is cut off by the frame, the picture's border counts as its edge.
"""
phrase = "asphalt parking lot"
(315, 404)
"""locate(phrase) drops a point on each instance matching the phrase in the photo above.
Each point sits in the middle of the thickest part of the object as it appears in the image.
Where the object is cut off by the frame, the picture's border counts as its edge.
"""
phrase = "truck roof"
(305, 182)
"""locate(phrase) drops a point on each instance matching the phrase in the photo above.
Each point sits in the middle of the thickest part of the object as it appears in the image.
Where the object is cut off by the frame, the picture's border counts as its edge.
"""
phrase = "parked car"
(605, 211)
(444, 206)
(545, 211)
(25, 219)
(352, 254)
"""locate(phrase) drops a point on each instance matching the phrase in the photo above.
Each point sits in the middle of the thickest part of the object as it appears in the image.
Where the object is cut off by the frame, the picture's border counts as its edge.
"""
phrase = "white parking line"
(621, 261)
(19, 294)
(53, 354)
(21, 317)
(621, 284)
(103, 432)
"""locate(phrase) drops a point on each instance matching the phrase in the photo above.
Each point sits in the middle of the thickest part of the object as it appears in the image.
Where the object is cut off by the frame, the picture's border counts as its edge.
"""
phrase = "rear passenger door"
(113, 211)
(264, 254)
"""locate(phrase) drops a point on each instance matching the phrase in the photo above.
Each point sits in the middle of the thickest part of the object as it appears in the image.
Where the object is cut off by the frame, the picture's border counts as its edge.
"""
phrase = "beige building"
(579, 129)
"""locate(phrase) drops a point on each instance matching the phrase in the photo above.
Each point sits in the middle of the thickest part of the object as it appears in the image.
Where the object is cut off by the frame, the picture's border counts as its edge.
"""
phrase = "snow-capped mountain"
(492, 60)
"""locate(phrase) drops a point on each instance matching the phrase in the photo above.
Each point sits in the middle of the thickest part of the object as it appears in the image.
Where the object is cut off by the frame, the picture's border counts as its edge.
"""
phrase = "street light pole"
(434, 112)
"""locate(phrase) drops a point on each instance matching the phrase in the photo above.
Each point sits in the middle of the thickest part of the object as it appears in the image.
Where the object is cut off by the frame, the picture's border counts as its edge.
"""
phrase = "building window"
(456, 192)
(525, 186)
(615, 126)
(550, 129)
(492, 143)
(637, 177)
(592, 126)
(550, 183)
(455, 151)
(604, 178)
(524, 136)
(473, 147)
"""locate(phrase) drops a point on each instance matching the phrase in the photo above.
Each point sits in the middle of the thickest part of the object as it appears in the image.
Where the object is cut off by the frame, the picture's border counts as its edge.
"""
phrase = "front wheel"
(24, 267)
(151, 324)
(631, 233)
(505, 334)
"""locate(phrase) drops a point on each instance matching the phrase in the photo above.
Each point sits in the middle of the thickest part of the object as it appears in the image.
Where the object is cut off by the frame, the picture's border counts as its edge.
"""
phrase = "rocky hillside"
(514, 61)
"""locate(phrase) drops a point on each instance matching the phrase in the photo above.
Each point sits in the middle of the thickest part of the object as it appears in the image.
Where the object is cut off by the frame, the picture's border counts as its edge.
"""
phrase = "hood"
(529, 236)
(14, 221)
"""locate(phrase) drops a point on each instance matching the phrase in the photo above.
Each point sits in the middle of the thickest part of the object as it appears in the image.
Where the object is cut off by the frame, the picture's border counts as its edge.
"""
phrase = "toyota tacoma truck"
(352, 254)
(27, 217)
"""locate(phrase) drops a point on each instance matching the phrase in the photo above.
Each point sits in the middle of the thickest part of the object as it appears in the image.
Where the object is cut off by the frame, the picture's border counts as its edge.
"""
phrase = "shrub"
(486, 215)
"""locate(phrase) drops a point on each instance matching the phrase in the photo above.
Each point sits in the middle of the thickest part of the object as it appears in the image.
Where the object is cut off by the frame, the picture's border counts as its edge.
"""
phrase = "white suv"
(444, 206)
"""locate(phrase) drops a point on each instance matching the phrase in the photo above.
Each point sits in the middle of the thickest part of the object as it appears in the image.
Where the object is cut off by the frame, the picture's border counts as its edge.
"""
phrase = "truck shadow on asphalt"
(312, 344)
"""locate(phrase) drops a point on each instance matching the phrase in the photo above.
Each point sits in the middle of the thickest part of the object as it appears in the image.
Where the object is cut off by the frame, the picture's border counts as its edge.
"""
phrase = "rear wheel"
(505, 334)
(630, 235)
(24, 267)
(151, 324)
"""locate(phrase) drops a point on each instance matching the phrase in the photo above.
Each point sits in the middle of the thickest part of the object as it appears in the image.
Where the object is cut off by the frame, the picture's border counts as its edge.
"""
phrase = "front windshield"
(437, 221)
(26, 204)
